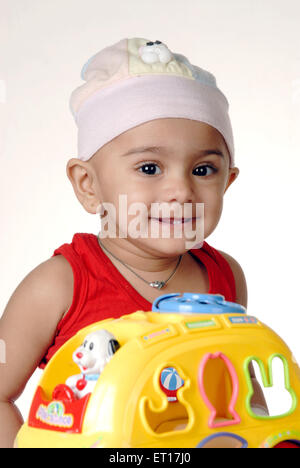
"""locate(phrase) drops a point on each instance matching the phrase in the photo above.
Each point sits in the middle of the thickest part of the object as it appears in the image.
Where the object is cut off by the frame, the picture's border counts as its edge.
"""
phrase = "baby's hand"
(276, 388)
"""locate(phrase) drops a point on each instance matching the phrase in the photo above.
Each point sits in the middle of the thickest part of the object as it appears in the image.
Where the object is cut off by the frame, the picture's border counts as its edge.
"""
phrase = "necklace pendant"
(157, 284)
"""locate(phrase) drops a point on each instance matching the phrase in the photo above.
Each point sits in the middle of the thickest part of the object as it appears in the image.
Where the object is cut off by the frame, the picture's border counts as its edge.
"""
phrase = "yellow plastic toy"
(177, 376)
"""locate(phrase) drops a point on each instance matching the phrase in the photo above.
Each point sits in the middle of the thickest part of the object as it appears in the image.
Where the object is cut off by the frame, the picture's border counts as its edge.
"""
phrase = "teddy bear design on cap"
(154, 52)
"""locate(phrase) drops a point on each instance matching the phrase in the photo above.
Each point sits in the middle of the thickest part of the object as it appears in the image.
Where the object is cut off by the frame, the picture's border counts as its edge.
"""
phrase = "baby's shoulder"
(51, 282)
(29, 322)
(240, 279)
(65, 278)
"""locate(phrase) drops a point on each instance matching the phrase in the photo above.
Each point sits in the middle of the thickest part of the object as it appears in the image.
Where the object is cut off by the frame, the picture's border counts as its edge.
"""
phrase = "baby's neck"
(144, 262)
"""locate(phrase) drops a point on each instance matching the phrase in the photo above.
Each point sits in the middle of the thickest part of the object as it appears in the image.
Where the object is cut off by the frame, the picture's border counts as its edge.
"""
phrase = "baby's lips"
(168, 220)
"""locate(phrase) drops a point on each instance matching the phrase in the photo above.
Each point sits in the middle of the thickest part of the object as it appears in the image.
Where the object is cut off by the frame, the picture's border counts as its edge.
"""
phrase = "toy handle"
(193, 303)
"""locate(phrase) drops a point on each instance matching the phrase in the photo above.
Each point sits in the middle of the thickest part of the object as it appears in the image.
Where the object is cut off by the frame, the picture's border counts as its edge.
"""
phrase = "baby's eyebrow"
(163, 149)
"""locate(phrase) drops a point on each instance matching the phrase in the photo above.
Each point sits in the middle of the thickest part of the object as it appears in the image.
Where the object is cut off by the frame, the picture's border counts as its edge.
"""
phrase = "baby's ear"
(233, 174)
(82, 177)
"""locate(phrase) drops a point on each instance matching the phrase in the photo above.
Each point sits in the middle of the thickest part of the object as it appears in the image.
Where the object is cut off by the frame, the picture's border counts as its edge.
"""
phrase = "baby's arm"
(27, 328)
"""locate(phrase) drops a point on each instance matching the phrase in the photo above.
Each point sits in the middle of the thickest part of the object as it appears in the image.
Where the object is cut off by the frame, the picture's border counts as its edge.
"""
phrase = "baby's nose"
(79, 355)
(178, 190)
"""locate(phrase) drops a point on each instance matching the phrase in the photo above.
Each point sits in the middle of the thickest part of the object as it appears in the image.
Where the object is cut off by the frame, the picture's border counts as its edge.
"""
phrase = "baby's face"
(186, 162)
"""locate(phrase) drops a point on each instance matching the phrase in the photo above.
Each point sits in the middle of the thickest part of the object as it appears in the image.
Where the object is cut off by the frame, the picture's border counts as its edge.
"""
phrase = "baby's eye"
(204, 170)
(149, 168)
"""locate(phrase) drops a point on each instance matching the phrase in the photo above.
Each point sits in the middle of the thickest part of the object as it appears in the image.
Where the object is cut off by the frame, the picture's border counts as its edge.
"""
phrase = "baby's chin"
(165, 247)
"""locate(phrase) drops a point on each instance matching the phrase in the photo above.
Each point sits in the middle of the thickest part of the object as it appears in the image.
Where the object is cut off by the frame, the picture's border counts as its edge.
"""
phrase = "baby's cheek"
(212, 214)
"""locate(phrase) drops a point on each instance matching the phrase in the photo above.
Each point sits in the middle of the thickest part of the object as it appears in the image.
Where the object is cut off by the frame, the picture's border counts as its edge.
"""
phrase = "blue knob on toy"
(192, 303)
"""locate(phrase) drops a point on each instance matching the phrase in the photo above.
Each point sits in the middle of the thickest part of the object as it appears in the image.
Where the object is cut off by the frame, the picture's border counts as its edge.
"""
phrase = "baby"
(154, 133)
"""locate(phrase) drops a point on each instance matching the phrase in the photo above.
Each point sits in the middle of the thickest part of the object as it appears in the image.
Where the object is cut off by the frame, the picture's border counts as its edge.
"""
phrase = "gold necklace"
(153, 284)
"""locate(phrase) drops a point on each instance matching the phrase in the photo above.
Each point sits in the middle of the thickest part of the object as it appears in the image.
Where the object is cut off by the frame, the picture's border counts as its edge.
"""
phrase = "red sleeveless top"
(101, 292)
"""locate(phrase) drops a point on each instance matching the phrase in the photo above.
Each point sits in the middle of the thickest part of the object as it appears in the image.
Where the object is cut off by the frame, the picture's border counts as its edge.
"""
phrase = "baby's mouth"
(174, 220)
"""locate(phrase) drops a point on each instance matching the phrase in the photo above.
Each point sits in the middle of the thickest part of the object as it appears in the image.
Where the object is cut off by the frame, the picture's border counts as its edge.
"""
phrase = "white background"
(252, 47)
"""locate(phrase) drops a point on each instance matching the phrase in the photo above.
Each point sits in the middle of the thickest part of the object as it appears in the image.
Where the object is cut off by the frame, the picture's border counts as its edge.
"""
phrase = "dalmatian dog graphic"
(154, 52)
(91, 357)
